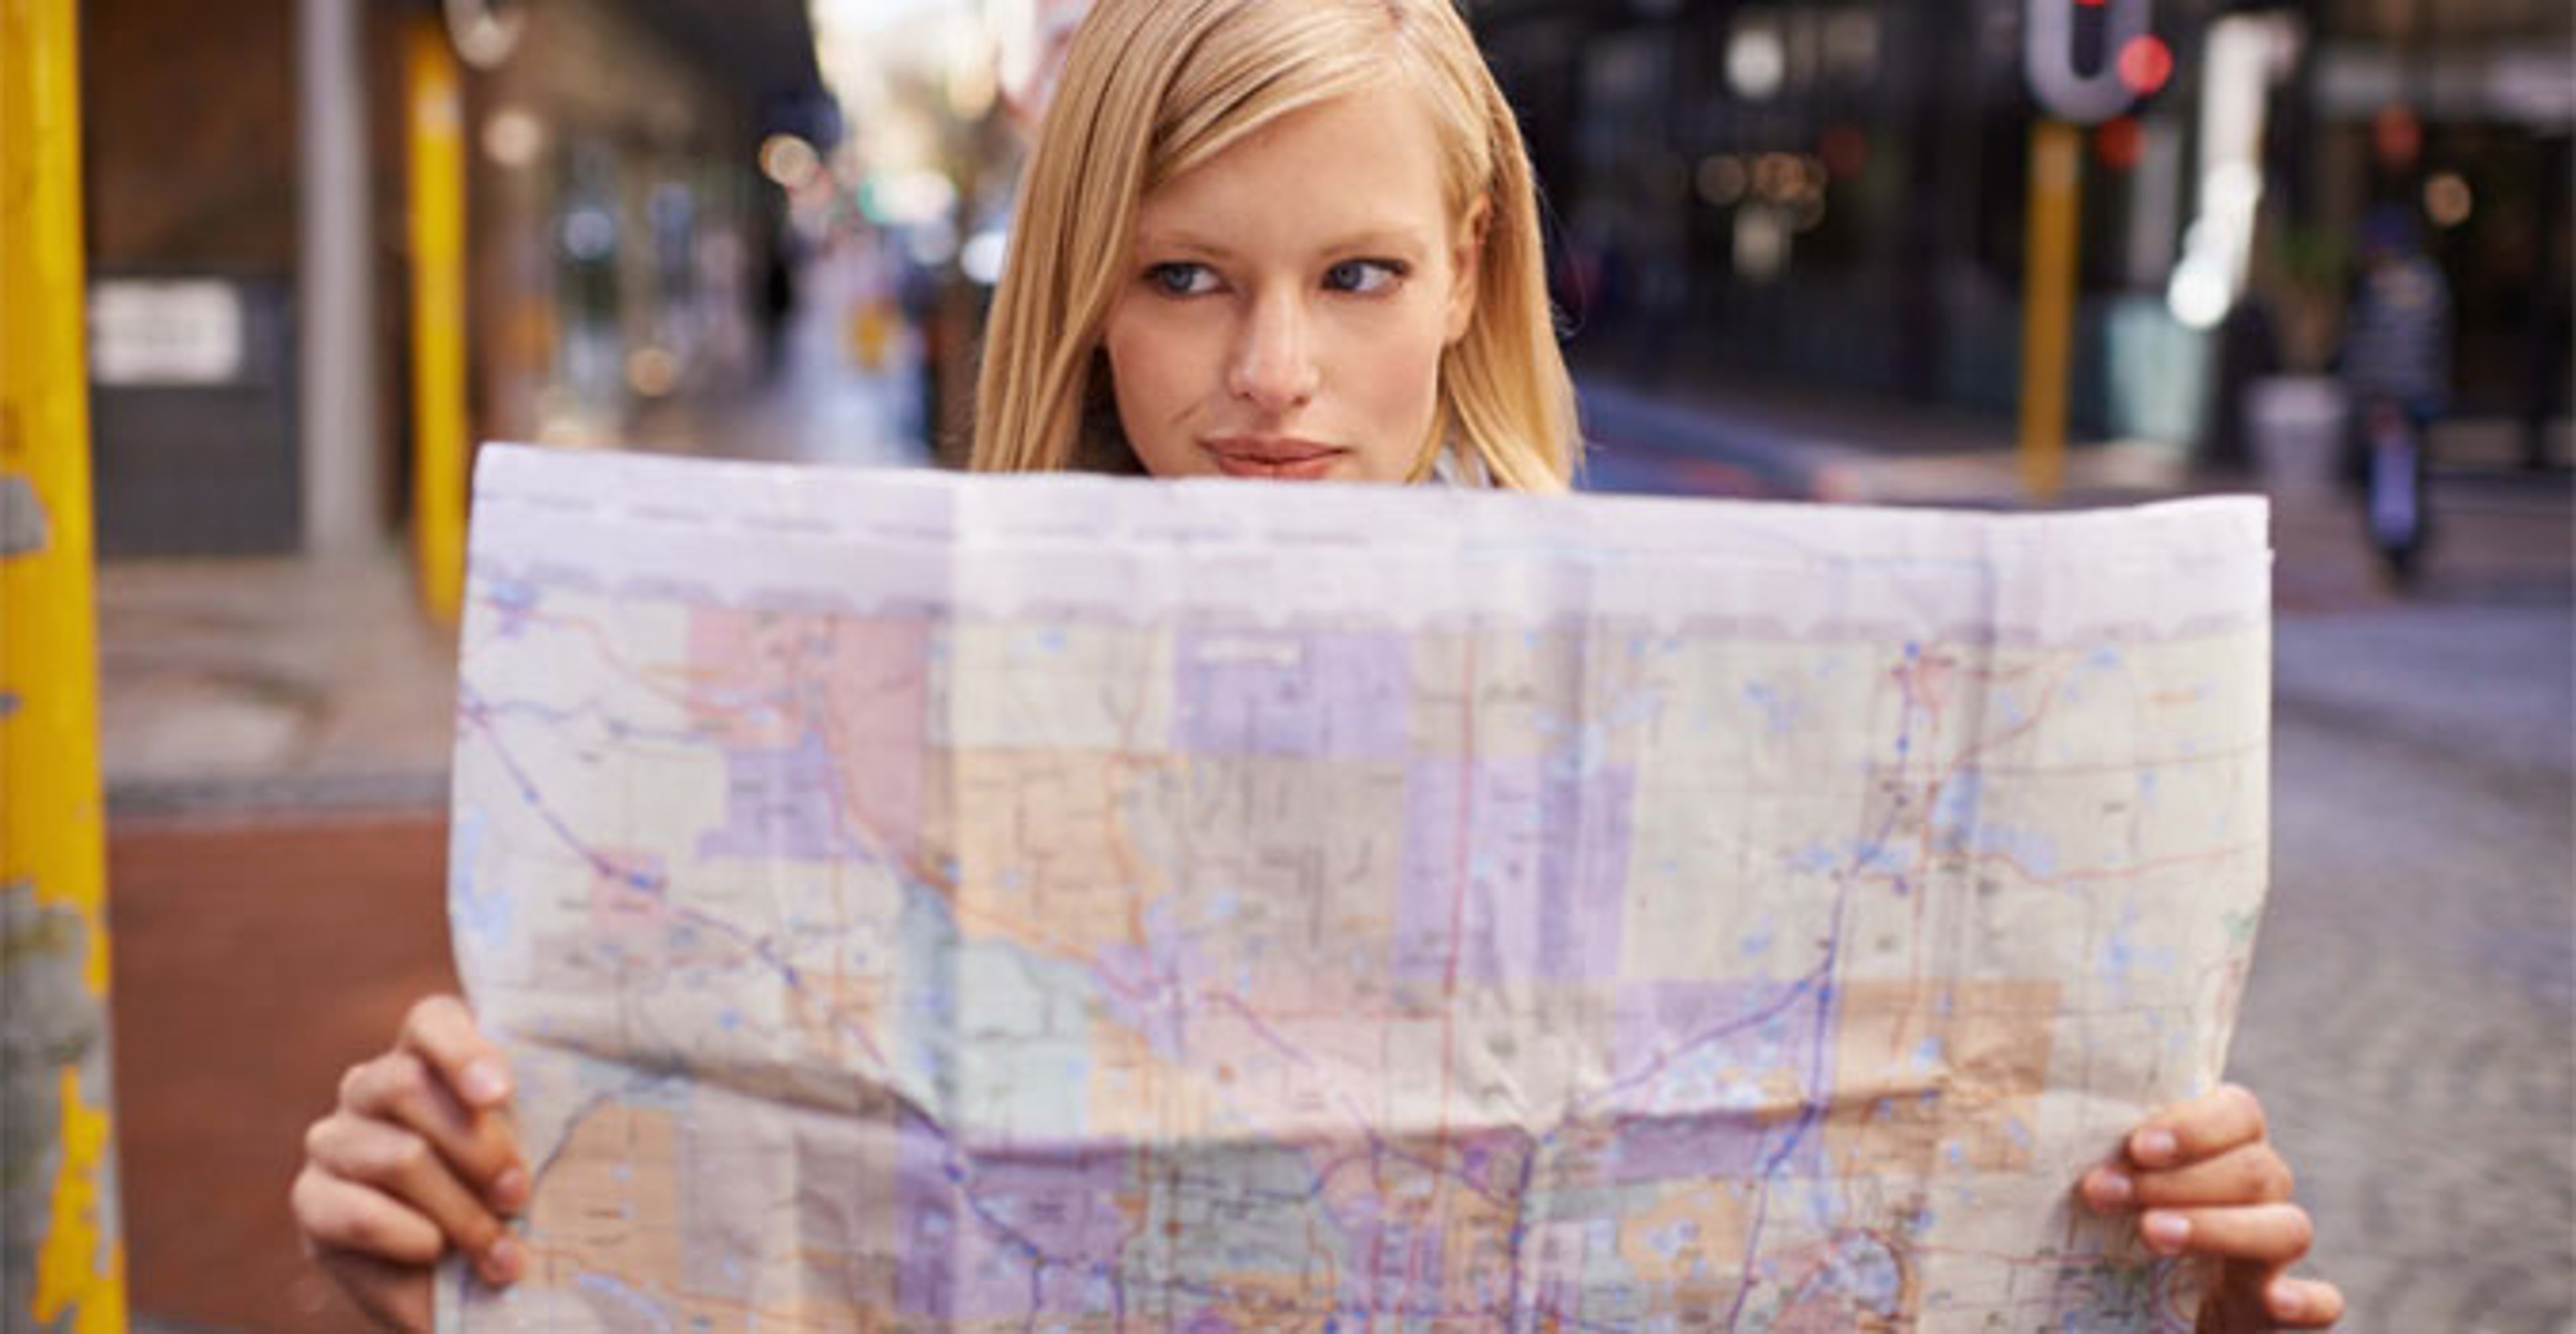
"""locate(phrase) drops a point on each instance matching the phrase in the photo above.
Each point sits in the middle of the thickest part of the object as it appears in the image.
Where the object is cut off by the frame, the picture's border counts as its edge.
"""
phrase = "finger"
(2297, 1303)
(404, 1166)
(401, 1089)
(2258, 1298)
(442, 1031)
(397, 1297)
(338, 1214)
(2248, 1174)
(2272, 1234)
(2204, 1127)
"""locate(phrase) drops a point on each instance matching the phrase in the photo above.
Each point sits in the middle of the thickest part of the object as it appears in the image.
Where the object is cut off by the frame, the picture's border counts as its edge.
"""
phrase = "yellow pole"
(436, 120)
(62, 1250)
(2048, 308)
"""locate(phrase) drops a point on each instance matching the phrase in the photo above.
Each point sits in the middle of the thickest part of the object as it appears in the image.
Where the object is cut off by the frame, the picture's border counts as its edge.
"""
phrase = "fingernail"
(502, 1262)
(510, 1189)
(483, 1083)
(2154, 1147)
(2112, 1187)
(2167, 1233)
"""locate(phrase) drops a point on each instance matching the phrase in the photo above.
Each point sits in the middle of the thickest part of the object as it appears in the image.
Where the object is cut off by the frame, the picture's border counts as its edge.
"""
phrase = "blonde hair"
(1154, 88)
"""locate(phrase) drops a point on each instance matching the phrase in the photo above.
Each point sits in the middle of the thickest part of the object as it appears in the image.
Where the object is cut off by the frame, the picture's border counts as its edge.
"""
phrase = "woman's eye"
(1181, 279)
(1364, 276)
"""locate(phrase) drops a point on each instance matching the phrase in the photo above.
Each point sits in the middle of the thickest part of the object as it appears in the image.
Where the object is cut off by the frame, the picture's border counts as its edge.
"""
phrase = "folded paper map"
(916, 902)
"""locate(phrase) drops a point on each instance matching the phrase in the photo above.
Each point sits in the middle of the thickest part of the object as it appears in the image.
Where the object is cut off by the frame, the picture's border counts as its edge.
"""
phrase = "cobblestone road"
(2412, 1019)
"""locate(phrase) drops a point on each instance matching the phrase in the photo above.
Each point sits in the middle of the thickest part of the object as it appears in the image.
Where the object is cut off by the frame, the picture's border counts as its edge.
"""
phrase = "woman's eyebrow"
(1379, 239)
(1400, 240)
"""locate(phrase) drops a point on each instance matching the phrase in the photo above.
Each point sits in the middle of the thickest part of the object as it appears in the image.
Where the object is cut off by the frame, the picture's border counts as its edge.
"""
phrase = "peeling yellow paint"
(81, 1269)
(53, 835)
(52, 817)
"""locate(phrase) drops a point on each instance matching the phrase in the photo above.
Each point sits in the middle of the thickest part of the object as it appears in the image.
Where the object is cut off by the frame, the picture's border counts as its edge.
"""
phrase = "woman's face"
(1288, 302)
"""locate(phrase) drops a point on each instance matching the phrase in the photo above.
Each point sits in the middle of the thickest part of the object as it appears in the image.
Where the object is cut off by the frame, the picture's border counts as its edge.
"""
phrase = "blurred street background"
(328, 244)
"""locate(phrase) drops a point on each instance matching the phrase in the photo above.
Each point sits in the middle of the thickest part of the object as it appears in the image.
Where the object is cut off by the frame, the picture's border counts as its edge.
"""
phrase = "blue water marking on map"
(1670, 1240)
(1928, 1055)
(1874, 857)
(514, 599)
(1955, 804)
(512, 594)
(1779, 714)
(2123, 960)
(2031, 850)
(1822, 1204)
(1872, 1276)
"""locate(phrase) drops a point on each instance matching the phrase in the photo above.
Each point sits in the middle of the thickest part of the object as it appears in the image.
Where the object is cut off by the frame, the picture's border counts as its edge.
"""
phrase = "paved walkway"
(2411, 1022)
(254, 961)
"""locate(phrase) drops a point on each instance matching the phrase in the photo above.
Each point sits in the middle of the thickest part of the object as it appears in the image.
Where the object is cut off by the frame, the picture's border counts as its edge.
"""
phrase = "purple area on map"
(1402, 1256)
(926, 1201)
(781, 803)
(1252, 692)
(1721, 1048)
(1045, 1224)
(1528, 865)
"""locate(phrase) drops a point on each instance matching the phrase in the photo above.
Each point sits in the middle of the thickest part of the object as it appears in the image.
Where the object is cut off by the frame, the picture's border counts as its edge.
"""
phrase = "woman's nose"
(1274, 363)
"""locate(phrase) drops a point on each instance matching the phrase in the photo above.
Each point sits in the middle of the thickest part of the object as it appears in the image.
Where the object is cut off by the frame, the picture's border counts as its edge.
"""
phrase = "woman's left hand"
(2205, 1182)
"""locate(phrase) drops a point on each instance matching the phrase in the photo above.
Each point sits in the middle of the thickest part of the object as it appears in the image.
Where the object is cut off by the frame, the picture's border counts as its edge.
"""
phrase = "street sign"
(146, 333)
(2133, 63)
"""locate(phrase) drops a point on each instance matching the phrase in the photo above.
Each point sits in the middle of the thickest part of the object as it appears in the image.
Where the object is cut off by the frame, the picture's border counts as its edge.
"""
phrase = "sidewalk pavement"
(2499, 532)
(1795, 444)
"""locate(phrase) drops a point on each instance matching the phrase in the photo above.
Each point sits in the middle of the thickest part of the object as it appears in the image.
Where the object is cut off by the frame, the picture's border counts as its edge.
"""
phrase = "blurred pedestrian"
(2397, 334)
(2397, 375)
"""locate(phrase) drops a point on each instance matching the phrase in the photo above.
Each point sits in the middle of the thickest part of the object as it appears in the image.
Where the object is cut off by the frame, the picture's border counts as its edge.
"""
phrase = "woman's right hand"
(419, 1158)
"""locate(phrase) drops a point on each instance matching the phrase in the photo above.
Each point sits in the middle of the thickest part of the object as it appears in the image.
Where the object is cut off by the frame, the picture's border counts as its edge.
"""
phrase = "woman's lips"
(1276, 459)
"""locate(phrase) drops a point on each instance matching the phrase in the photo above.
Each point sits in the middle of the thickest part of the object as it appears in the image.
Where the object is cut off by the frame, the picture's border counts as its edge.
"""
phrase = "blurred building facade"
(1833, 192)
(190, 176)
(620, 237)
(1820, 193)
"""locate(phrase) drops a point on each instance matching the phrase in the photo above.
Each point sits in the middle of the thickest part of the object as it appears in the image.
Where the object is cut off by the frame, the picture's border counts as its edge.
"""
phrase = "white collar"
(1459, 467)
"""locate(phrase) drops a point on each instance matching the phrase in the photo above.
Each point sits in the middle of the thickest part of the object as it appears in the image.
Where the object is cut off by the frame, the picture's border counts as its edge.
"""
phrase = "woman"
(1260, 238)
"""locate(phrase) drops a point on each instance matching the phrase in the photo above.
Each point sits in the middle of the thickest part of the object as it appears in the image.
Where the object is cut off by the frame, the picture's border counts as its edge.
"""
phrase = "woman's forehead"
(1366, 164)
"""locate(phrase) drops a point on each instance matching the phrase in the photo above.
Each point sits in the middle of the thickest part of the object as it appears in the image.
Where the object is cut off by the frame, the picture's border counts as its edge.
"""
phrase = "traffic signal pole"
(62, 1250)
(2070, 98)
(2048, 302)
